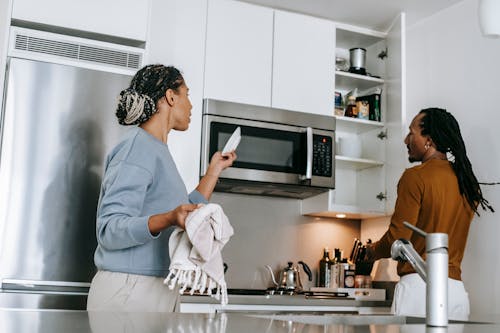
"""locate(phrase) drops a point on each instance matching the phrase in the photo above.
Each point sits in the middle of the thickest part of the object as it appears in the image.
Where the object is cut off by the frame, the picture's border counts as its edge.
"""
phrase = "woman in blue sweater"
(143, 196)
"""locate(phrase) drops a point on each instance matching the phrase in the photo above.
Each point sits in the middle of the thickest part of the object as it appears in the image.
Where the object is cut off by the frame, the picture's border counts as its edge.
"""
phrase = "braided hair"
(444, 131)
(137, 103)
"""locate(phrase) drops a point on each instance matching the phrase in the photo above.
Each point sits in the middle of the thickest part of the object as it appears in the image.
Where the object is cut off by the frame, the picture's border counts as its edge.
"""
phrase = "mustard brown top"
(429, 198)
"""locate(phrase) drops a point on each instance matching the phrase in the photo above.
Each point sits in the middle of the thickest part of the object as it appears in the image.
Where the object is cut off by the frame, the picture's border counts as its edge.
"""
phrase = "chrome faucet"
(434, 272)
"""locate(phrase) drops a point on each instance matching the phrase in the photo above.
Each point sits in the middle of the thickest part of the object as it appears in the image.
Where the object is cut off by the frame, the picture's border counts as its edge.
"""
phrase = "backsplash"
(271, 231)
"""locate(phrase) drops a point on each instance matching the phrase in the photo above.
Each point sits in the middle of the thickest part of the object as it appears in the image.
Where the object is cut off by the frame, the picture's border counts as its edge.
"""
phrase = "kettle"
(290, 276)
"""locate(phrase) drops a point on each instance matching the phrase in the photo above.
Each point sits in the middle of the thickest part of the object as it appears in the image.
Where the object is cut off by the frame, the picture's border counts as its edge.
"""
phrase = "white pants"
(410, 295)
(113, 291)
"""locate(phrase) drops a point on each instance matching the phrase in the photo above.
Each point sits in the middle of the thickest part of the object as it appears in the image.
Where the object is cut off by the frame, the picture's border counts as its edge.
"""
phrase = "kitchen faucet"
(434, 272)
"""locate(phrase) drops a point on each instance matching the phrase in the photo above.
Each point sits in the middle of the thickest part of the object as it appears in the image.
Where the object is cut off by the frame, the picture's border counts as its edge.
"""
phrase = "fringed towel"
(195, 253)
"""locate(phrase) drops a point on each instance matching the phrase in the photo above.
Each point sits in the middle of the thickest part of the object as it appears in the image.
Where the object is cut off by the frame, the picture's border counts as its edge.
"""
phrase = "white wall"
(271, 231)
(374, 229)
(451, 65)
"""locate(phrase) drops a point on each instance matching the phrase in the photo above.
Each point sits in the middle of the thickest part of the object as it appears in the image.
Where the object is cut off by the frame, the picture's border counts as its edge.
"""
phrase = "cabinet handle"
(309, 134)
(381, 196)
(382, 135)
(383, 54)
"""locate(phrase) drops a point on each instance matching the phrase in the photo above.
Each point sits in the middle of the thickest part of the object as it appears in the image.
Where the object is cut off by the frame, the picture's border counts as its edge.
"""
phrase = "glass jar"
(351, 110)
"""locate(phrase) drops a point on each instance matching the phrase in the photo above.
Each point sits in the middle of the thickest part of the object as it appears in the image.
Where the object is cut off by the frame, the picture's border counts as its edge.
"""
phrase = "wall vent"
(76, 49)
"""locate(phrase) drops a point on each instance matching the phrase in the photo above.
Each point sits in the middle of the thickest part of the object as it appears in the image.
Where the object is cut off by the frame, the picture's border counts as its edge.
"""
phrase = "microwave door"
(267, 152)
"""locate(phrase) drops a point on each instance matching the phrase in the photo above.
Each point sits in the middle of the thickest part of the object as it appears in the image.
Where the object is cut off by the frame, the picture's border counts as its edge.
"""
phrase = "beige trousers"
(113, 291)
(410, 295)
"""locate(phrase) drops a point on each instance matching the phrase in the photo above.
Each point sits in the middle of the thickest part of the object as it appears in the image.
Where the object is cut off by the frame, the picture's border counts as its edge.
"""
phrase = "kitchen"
(432, 58)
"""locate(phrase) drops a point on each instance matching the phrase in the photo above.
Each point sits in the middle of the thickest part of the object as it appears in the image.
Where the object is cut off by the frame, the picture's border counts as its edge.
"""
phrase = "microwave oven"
(281, 153)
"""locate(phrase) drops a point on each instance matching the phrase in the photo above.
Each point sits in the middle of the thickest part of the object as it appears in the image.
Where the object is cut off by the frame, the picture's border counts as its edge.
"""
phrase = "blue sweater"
(140, 180)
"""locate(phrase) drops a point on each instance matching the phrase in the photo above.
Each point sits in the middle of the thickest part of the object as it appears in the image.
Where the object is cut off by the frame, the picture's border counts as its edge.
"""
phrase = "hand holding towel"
(195, 253)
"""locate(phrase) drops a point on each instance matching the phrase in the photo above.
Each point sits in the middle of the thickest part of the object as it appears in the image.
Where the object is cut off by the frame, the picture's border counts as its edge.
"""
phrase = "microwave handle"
(309, 134)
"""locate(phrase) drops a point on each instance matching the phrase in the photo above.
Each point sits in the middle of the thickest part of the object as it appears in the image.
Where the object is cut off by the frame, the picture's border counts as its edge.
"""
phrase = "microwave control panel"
(322, 156)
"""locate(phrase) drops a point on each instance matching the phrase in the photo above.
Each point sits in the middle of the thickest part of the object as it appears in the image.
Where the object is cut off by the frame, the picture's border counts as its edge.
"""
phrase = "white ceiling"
(373, 14)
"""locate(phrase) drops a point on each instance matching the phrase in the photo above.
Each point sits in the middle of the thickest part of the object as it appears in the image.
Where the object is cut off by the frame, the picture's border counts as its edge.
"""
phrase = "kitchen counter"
(54, 321)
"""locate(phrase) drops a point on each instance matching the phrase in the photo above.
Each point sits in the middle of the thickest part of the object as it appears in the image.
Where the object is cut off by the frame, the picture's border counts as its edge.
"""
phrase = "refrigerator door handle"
(38, 285)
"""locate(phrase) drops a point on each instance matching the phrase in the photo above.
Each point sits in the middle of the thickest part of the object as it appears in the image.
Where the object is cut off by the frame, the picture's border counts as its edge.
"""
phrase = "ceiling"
(373, 14)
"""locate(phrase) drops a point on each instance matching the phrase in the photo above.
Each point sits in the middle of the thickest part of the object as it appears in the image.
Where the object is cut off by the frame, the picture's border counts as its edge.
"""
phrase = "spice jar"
(351, 110)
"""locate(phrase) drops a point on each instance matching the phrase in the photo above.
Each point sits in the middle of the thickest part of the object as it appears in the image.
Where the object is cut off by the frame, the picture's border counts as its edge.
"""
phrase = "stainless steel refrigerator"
(57, 124)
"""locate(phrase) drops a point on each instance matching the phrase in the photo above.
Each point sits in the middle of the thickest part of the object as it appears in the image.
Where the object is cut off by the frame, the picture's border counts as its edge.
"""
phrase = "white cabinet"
(365, 178)
(260, 56)
(303, 63)
(183, 49)
(120, 18)
(238, 60)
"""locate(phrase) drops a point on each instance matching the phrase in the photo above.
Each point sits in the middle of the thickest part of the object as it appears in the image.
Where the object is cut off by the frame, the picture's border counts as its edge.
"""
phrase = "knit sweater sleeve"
(119, 221)
(410, 189)
(196, 197)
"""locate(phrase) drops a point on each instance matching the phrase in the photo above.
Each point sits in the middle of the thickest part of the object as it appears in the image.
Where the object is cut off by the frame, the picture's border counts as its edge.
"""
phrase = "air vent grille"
(78, 51)
(21, 42)
(46, 46)
(109, 57)
(134, 60)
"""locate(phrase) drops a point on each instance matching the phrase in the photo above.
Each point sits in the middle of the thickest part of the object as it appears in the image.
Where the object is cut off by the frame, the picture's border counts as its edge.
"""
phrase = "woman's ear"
(169, 96)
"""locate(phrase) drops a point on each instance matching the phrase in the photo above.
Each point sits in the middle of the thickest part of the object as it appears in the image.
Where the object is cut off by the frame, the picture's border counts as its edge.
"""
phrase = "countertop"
(54, 321)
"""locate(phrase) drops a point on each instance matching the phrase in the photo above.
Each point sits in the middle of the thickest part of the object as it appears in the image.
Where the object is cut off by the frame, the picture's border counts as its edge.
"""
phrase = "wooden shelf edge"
(351, 213)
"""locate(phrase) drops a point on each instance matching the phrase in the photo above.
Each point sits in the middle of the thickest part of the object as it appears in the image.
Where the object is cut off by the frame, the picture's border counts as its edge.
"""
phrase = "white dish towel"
(195, 253)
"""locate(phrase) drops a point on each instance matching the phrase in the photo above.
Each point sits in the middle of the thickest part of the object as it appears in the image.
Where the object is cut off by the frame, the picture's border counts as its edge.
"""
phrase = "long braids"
(444, 130)
(137, 103)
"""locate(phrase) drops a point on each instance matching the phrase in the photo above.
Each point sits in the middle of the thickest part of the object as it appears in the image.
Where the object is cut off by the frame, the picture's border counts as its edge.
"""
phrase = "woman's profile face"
(181, 110)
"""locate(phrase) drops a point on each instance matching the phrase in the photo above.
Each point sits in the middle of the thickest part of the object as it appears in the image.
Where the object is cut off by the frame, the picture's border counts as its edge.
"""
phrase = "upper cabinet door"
(396, 108)
(120, 18)
(303, 63)
(238, 62)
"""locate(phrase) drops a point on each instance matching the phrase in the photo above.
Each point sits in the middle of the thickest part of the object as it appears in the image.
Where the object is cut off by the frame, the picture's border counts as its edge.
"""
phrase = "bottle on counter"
(325, 269)
(335, 269)
(338, 255)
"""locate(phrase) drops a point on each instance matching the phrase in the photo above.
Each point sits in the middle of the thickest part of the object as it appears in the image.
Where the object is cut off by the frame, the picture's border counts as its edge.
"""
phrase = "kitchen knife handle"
(351, 257)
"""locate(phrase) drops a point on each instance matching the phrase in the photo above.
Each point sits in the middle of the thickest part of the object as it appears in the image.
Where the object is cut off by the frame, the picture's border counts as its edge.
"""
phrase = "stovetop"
(286, 292)
(240, 291)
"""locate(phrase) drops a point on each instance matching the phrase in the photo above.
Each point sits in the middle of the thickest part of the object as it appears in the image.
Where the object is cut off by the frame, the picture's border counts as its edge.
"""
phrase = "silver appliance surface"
(266, 114)
(255, 172)
(58, 123)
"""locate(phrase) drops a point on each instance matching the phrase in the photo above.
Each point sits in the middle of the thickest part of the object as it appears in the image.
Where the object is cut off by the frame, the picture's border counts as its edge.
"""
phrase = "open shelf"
(356, 125)
(347, 80)
(348, 35)
(356, 163)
